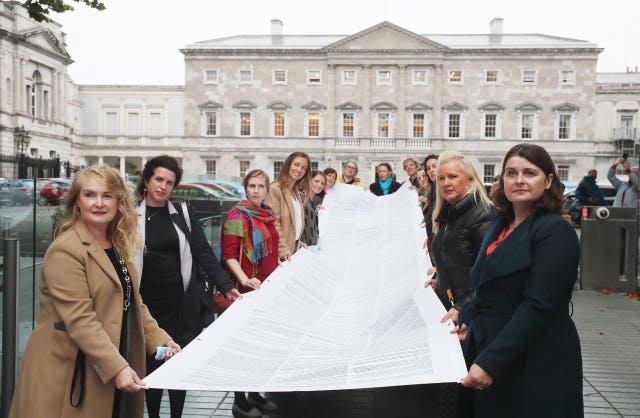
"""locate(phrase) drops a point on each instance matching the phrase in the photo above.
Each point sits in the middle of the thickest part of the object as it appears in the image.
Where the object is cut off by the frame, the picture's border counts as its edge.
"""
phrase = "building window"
(111, 123)
(417, 125)
(455, 77)
(348, 125)
(277, 166)
(279, 120)
(210, 76)
(383, 125)
(245, 166)
(567, 77)
(133, 124)
(491, 76)
(526, 131)
(314, 166)
(454, 125)
(155, 124)
(245, 123)
(279, 77)
(564, 126)
(490, 125)
(529, 76)
(45, 104)
(488, 172)
(211, 123)
(313, 124)
(34, 152)
(419, 77)
(563, 173)
(245, 76)
(384, 77)
(314, 76)
(349, 77)
(210, 167)
(34, 100)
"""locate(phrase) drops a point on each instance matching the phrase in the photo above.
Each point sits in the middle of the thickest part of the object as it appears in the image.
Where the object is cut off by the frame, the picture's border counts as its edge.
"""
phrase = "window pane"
(313, 76)
(279, 76)
(490, 122)
(132, 125)
(211, 167)
(212, 128)
(564, 126)
(314, 124)
(527, 127)
(418, 125)
(383, 125)
(155, 124)
(277, 165)
(454, 125)
(245, 75)
(111, 123)
(563, 172)
(488, 173)
(211, 75)
(278, 124)
(455, 76)
(245, 123)
(347, 124)
(492, 76)
(419, 76)
(529, 76)
(244, 167)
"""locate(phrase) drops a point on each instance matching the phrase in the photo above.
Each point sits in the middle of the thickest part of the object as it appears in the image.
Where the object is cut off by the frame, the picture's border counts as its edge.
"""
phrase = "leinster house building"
(382, 94)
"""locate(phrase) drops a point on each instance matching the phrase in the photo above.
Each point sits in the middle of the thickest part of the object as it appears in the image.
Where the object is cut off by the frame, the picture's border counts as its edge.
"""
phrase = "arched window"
(36, 95)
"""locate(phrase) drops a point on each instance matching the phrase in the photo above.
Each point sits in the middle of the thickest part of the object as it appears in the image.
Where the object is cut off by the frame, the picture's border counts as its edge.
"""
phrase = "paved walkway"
(609, 327)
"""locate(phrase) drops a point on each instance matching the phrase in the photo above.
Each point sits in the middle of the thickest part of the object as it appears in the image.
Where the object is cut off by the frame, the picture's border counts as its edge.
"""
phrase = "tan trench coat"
(282, 204)
(81, 288)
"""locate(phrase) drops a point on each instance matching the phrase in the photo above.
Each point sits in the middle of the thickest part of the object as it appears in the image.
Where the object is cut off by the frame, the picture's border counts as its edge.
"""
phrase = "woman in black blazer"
(517, 329)
(384, 184)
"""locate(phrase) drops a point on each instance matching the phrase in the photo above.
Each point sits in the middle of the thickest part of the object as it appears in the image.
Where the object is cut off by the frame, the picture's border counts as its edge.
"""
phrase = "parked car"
(6, 199)
(205, 201)
(52, 191)
(220, 191)
(236, 189)
(22, 191)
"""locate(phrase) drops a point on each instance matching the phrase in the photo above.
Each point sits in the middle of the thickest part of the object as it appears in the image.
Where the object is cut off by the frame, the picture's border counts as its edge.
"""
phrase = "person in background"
(430, 164)
(626, 197)
(519, 339)
(384, 183)
(588, 192)
(93, 329)
(410, 166)
(311, 204)
(175, 251)
(286, 202)
(349, 173)
(424, 189)
(249, 243)
(330, 175)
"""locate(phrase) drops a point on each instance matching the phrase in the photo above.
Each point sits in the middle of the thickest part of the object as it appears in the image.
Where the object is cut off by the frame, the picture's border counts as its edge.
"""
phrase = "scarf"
(255, 237)
(385, 185)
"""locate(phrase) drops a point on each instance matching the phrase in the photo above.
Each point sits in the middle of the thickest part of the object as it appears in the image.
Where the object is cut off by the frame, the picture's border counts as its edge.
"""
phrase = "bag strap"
(79, 372)
(185, 213)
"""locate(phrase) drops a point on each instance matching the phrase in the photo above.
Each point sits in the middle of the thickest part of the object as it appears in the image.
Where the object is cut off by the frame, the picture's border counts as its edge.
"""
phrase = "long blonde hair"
(476, 188)
(123, 229)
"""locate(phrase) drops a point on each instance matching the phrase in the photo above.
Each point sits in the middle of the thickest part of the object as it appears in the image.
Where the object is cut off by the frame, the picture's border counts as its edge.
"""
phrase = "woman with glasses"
(349, 173)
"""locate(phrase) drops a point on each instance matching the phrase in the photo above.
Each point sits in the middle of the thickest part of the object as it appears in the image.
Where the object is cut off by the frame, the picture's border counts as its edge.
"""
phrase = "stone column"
(54, 95)
(365, 117)
(18, 90)
(436, 117)
(331, 101)
(401, 116)
(122, 166)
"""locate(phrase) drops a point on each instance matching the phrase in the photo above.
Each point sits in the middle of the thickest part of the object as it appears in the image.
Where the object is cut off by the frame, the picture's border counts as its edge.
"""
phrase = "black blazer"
(377, 190)
(520, 330)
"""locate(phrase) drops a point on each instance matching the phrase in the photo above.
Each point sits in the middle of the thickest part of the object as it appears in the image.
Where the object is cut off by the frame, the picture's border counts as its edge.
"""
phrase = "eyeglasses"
(349, 166)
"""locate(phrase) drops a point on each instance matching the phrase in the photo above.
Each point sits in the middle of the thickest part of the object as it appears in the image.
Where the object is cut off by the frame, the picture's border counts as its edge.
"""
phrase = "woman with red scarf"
(249, 243)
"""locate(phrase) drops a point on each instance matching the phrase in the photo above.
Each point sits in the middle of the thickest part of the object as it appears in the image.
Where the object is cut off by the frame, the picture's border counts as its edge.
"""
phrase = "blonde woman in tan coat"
(86, 356)
(285, 200)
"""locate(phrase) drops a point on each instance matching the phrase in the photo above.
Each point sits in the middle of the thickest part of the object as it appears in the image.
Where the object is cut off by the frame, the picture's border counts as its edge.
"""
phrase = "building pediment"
(419, 106)
(313, 106)
(244, 104)
(454, 107)
(210, 104)
(491, 106)
(384, 106)
(348, 106)
(278, 105)
(565, 107)
(44, 40)
(385, 36)
(528, 107)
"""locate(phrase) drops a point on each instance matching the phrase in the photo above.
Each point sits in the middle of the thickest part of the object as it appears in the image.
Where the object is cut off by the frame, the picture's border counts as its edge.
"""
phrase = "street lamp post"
(22, 139)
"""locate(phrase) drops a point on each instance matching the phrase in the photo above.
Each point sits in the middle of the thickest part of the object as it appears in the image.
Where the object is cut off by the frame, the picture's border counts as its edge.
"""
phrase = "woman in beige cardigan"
(86, 356)
(285, 200)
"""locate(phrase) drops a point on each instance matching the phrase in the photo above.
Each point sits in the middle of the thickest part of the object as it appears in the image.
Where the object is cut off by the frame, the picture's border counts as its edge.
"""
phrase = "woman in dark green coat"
(518, 334)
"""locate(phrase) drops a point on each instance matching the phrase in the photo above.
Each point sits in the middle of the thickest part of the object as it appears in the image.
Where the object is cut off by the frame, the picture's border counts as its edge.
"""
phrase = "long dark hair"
(551, 200)
(283, 177)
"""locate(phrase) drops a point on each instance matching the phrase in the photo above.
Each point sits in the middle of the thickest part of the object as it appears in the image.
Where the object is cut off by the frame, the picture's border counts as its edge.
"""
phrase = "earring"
(144, 192)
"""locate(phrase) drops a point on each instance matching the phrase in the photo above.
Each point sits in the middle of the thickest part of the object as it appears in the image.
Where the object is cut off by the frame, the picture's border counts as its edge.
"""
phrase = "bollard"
(10, 321)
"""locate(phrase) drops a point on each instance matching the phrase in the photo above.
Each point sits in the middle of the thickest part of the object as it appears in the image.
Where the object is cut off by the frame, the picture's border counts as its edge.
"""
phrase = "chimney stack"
(276, 27)
(496, 26)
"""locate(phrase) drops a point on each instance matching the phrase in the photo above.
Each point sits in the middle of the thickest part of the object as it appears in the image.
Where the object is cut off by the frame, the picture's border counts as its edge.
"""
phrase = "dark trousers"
(153, 397)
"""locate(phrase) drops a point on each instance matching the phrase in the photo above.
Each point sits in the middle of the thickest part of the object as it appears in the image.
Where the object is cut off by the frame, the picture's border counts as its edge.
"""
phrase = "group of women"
(120, 282)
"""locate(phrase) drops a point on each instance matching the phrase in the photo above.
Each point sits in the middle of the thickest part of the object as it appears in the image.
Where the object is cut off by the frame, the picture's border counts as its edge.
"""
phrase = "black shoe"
(250, 412)
(263, 404)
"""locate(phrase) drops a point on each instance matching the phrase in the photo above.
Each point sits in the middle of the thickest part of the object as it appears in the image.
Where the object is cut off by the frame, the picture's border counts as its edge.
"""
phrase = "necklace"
(127, 279)
(149, 216)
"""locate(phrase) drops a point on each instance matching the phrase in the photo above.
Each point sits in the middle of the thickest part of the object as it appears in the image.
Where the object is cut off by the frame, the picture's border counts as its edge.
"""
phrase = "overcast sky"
(138, 41)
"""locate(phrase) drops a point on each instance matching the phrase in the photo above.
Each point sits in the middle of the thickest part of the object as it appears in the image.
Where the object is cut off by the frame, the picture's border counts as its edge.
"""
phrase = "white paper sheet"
(351, 312)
